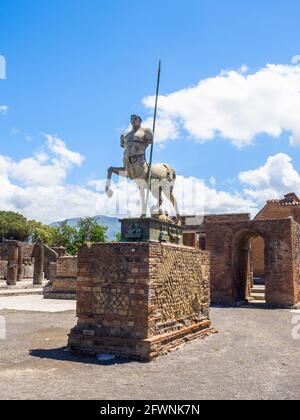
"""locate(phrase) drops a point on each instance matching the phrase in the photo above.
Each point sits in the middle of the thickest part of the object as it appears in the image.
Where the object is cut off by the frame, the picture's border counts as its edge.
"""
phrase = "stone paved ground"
(252, 357)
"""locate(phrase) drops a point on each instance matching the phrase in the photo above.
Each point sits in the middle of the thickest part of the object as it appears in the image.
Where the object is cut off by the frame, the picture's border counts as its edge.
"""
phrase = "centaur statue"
(136, 168)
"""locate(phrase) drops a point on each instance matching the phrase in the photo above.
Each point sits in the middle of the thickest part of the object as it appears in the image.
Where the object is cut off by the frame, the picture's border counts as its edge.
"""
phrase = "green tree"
(66, 236)
(42, 233)
(117, 237)
(72, 238)
(14, 226)
(89, 230)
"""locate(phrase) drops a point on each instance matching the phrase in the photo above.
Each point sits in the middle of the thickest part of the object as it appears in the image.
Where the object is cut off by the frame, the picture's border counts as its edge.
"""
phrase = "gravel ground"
(252, 357)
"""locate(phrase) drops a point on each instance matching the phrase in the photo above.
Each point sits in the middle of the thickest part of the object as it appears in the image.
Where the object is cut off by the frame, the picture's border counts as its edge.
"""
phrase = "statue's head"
(136, 121)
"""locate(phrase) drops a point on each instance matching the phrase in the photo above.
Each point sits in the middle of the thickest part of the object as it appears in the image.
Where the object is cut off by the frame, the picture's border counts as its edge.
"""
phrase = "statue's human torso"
(135, 143)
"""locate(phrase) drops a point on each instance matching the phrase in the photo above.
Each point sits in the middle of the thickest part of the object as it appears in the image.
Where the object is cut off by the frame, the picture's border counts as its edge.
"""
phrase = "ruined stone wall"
(67, 267)
(258, 256)
(273, 210)
(3, 252)
(138, 299)
(276, 210)
(296, 240)
(64, 283)
(225, 240)
(194, 234)
(61, 251)
(238, 217)
(180, 288)
(27, 250)
(28, 263)
(3, 270)
(190, 239)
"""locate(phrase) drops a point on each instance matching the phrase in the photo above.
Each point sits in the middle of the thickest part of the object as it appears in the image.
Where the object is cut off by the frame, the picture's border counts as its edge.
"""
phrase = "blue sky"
(76, 70)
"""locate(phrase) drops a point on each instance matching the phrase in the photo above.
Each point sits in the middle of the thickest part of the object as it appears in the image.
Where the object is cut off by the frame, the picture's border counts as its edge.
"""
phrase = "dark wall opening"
(247, 287)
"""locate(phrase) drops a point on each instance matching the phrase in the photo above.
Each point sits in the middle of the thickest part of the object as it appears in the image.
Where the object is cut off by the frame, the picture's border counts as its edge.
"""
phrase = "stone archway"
(228, 246)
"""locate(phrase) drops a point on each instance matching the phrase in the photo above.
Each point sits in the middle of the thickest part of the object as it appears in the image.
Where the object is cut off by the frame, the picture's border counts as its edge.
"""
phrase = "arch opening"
(249, 267)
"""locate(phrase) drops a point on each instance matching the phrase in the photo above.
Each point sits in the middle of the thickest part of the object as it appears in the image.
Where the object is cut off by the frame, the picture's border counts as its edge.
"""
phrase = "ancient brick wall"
(61, 251)
(180, 288)
(28, 264)
(258, 256)
(274, 210)
(229, 246)
(3, 252)
(277, 210)
(67, 267)
(296, 240)
(64, 283)
(3, 270)
(190, 240)
(140, 292)
(237, 217)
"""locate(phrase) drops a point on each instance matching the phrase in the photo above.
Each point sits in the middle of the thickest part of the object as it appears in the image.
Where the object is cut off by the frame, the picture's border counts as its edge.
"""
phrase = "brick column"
(52, 271)
(20, 263)
(12, 267)
(38, 276)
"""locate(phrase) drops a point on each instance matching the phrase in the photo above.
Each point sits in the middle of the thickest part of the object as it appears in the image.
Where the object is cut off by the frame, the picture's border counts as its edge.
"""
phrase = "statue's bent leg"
(110, 172)
(175, 204)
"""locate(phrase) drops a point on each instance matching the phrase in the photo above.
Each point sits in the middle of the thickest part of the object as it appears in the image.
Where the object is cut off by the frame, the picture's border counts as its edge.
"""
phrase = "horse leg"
(110, 172)
(175, 204)
(169, 193)
(143, 201)
(156, 191)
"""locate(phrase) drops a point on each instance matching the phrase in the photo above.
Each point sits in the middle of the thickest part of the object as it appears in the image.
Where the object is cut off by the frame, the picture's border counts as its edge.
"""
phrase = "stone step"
(23, 285)
(258, 289)
(257, 302)
(258, 281)
(21, 292)
(257, 296)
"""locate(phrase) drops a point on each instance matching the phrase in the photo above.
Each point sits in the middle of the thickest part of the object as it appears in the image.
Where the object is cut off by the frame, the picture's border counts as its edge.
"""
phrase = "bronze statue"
(136, 168)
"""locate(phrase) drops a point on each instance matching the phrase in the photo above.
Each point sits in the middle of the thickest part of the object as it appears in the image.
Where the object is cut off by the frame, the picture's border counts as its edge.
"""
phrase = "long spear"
(154, 128)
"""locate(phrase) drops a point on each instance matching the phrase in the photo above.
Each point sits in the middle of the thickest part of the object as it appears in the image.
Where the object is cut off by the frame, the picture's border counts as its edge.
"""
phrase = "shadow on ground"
(256, 306)
(63, 354)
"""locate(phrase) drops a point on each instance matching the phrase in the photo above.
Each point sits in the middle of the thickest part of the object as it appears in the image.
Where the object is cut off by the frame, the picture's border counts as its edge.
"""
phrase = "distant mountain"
(112, 223)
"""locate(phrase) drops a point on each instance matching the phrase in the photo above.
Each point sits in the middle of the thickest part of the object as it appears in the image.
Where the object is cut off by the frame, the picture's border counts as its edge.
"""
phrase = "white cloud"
(272, 180)
(296, 59)
(43, 169)
(3, 109)
(66, 156)
(165, 128)
(236, 106)
(36, 186)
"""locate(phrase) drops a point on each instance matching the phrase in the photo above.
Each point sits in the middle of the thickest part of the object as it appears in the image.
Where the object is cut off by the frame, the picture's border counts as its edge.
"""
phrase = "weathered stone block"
(64, 285)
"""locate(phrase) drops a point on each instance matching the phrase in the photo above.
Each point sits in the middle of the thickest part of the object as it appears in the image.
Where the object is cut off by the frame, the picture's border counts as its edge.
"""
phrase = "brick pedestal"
(140, 300)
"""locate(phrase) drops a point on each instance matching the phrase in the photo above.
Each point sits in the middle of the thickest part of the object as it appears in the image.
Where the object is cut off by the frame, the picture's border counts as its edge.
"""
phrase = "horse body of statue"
(136, 168)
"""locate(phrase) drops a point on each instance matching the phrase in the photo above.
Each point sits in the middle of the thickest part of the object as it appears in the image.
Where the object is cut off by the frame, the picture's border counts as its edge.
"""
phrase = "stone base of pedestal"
(140, 300)
(140, 350)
